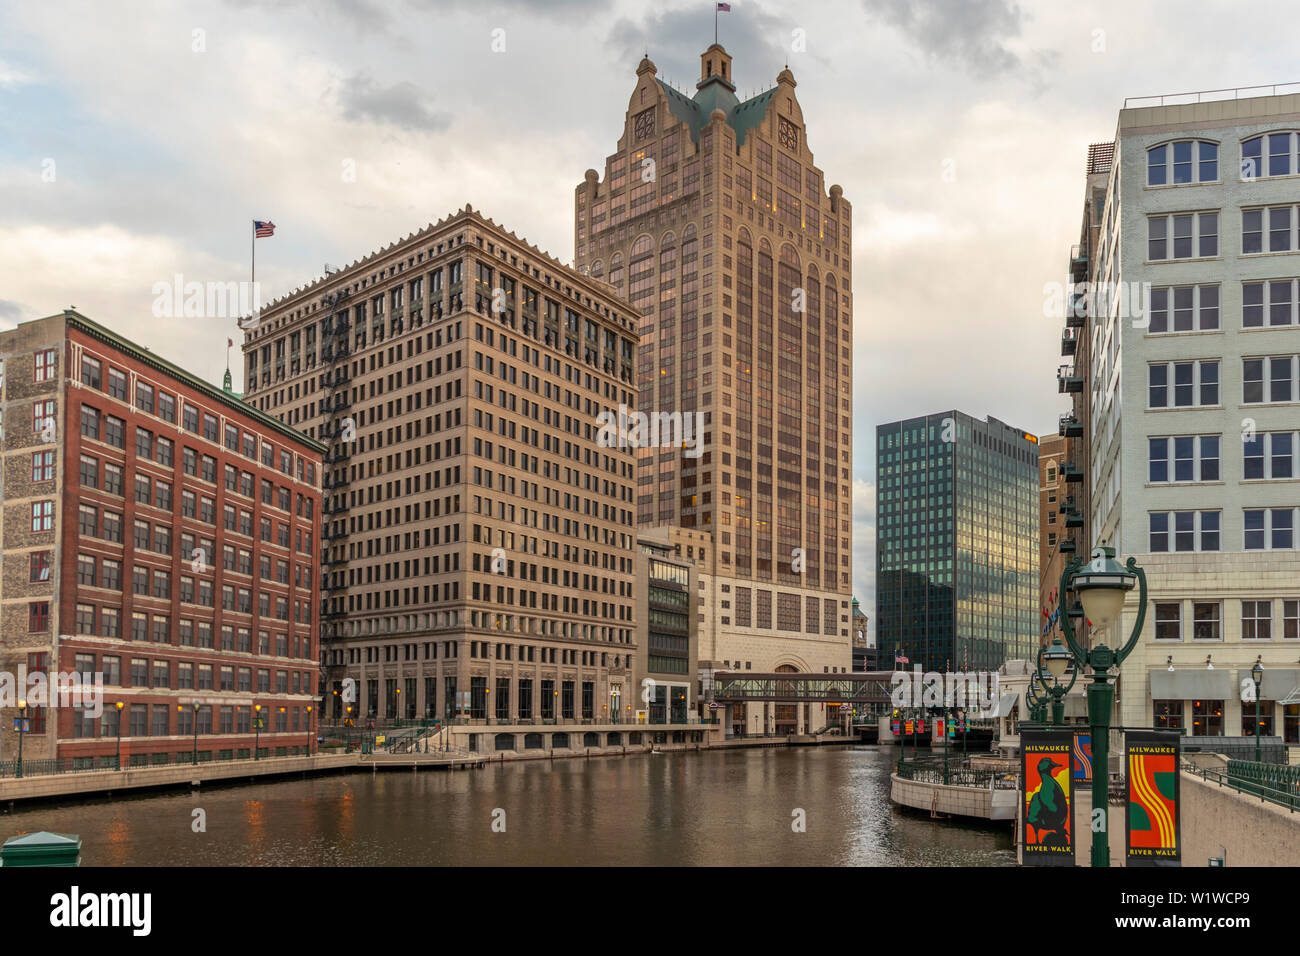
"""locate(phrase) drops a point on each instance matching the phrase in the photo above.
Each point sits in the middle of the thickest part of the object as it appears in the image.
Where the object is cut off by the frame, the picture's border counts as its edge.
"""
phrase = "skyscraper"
(713, 219)
(478, 537)
(1194, 352)
(957, 542)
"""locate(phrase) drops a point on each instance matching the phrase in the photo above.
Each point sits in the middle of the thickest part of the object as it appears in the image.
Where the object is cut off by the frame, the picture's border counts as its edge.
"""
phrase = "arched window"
(597, 269)
(616, 272)
(1183, 161)
(1270, 154)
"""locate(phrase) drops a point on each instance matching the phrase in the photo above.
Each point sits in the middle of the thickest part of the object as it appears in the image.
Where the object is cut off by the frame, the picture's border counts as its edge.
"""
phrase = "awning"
(1190, 684)
(1275, 684)
(1291, 698)
(1005, 703)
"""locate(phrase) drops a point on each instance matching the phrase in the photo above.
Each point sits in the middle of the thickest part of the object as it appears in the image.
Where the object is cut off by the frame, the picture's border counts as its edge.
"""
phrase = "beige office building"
(479, 538)
(714, 221)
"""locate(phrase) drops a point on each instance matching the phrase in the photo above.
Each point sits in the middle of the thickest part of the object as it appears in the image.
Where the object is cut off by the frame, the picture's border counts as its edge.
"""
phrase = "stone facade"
(714, 220)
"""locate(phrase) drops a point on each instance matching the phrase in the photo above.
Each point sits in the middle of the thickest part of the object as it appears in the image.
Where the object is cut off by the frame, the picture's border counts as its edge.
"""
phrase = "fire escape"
(337, 433)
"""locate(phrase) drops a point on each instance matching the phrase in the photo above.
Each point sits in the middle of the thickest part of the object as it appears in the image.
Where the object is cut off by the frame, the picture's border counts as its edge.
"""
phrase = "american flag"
(899, 658)
(724, 7)
(263, 229)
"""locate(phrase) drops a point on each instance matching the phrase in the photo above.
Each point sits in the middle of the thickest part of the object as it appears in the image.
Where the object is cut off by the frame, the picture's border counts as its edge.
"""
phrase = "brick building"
(161, 534)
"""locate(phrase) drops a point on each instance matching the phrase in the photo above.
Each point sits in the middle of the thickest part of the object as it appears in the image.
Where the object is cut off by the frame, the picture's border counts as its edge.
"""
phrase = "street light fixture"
(118, 759)
(1257, 672)
(257, 732)
(22, 729)
(1101, 586)
(1056, 658)
(311, 734)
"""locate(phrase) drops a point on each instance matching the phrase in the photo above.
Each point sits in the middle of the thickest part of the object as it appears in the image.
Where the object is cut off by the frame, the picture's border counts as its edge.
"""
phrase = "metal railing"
(1200, 96)
(1276, 784)
(60, 765)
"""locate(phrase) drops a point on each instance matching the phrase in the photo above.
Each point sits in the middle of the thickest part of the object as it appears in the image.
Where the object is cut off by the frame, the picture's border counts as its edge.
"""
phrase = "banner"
(1047, 808)
(1083, 757)
(1153, 836)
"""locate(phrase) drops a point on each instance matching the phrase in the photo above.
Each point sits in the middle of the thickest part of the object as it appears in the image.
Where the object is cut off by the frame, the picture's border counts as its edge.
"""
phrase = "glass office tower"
(957, 542)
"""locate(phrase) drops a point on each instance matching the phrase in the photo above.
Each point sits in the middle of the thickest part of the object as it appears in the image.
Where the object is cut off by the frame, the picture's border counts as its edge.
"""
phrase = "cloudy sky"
(138, 139)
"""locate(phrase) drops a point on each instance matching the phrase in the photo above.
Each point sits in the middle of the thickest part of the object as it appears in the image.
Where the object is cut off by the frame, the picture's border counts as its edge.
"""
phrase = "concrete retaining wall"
(1253, 832)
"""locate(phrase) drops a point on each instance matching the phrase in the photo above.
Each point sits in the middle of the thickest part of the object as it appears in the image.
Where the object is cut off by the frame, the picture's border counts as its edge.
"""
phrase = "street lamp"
(180, 709)
(257, 731)
(1056, 659)
(1257, 672)
(1101, 586)
(119, 705)
(311, 735)
(22, 729)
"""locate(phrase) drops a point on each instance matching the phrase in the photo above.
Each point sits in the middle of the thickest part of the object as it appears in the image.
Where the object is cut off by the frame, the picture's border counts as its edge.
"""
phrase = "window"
(42, 515)
(38, 616)
(117, 384)
(1169, 622)
(1267, 379)
(90, 371)
(1256, 620)
(1207, 718)
(167, 407)
(45, 367)
(1268, 229)
(1269, 529)
(1193, 458)
(39, 565)
(1291, 620)
(1183, 236)
(1268, 304)
(89, 419)
(1182, 162)
(115, 431)
(1194, 384)
(1271, 154)
(1192, 308)
(43, 466)
(1205, 621)
(1183, 531)
(1167, 714)
(144, 397)
(1269, 455)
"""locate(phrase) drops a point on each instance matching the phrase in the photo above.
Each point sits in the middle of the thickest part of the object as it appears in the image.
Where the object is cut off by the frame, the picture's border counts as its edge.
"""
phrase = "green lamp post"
(1056, 658)
(1037, 702)
(22, 729)
(1102, 585)
(117, 761)
(1257, 673)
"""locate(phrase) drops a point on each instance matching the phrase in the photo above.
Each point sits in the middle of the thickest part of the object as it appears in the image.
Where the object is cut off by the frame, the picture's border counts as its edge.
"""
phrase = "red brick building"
(159, 532)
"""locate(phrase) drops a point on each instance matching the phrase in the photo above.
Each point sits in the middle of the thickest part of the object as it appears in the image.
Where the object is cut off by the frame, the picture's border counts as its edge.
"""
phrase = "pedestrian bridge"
(863, 687)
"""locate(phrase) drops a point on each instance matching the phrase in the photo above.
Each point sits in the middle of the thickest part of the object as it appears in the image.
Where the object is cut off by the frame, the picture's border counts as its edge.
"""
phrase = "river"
(719, 807)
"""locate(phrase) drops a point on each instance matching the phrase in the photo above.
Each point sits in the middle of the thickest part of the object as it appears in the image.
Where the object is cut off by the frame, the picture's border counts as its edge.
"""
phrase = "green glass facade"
(956, 542)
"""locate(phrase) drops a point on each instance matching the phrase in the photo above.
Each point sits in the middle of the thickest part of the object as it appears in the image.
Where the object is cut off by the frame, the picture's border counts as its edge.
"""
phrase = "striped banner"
(1153, 836)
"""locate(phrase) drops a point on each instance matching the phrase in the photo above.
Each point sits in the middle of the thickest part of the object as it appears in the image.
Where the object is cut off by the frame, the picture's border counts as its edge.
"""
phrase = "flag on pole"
(724, 8)
(263, 229)
(899, 658)
(230, 343)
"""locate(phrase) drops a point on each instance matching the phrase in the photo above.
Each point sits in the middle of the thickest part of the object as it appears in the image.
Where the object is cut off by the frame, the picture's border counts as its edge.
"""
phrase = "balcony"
(1069, 342)
(1067, 546)
(1067, 381)
(1076, 311)
(1073, 516)
(1078, 264)
(1071, 427)
(1071, 472)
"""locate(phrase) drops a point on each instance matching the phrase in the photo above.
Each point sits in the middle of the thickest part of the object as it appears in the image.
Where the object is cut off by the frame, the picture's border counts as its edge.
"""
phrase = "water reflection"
(720, 808)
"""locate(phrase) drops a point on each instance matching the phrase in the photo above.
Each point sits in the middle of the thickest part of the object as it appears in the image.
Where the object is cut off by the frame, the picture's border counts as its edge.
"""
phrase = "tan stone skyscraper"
(714, 222)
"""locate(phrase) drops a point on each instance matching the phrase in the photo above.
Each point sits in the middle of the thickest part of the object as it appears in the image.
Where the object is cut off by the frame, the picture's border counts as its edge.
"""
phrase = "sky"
(138, 139)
